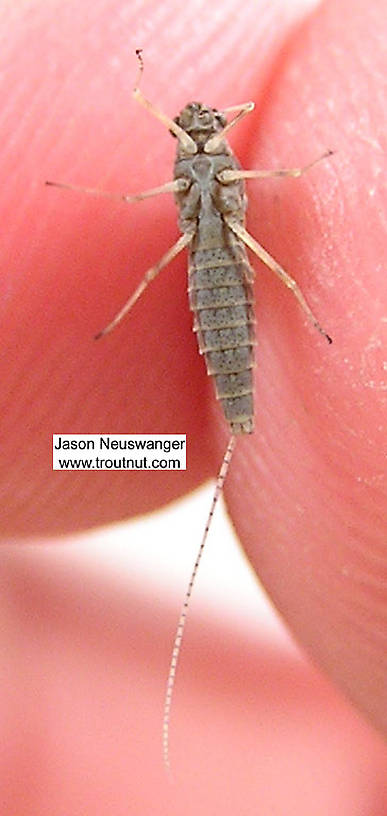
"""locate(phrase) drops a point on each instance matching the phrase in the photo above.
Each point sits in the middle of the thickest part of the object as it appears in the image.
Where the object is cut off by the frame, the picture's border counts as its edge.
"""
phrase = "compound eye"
(182, 120)
(220, 117)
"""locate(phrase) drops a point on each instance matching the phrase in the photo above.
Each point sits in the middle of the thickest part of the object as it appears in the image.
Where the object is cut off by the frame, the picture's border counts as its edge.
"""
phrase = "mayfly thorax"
(209, 189)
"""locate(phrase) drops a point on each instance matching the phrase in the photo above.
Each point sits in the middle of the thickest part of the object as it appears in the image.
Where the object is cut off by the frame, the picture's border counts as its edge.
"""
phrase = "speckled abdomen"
(221, 298)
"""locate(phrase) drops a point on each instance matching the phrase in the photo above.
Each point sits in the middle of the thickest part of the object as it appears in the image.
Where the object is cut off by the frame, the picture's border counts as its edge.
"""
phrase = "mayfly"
(209, 189)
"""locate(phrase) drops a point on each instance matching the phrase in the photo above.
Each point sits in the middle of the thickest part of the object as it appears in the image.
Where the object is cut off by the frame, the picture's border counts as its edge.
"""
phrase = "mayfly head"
(200, 122)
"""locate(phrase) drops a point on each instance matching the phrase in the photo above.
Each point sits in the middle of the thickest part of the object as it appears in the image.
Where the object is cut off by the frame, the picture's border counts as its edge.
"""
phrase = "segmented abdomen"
(221, 298)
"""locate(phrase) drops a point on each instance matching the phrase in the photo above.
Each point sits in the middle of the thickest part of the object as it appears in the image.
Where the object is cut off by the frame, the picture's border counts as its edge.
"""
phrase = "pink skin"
(305, 492)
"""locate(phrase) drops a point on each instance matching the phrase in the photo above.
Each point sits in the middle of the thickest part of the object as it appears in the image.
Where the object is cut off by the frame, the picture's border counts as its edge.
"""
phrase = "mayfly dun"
(209, 190)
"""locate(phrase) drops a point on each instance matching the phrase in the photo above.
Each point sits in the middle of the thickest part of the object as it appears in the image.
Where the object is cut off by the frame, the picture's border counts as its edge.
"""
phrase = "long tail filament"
(183, 615)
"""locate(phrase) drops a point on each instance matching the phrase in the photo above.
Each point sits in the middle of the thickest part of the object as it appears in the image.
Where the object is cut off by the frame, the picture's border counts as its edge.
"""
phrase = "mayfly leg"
(183, 615)
(168, 187)
(243, 110)
(269, 261)
(185, 140)
(226, 176)
(149, 276)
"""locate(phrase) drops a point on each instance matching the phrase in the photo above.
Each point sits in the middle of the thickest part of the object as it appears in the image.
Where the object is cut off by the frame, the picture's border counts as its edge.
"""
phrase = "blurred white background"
(158, 552)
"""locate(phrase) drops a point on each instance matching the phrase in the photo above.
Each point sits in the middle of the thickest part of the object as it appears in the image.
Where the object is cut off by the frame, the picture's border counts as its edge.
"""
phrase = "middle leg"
(227, 176)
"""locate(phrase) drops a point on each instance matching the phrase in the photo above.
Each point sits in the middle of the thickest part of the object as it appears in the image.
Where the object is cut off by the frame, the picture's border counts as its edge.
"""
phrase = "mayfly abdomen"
(222, 301)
